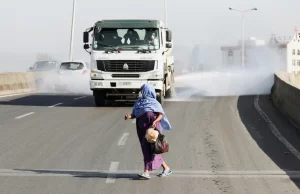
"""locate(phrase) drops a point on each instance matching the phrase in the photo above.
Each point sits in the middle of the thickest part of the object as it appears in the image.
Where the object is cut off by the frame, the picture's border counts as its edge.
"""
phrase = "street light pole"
(243, 31)
(166, 14)
(72, 32)
(243, 40)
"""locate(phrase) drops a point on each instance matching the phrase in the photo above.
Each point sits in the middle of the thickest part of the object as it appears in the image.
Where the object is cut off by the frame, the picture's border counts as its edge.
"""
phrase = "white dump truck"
(125, 54)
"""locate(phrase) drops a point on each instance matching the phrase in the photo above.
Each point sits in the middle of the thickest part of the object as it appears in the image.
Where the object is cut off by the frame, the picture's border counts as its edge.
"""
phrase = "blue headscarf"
(149, 103)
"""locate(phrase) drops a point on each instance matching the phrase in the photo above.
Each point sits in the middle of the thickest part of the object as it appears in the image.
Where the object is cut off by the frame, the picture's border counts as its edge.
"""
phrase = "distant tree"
(43, 57)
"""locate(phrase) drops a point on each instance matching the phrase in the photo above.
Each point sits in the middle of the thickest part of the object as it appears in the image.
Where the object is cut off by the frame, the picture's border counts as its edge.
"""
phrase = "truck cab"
(125, 54)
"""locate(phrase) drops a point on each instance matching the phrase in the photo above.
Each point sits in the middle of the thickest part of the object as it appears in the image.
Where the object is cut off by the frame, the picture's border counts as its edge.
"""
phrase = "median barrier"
(17, 82)
(285, 95)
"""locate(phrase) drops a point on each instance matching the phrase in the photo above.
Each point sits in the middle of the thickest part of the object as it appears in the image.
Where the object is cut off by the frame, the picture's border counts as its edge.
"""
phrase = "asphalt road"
(218, 145)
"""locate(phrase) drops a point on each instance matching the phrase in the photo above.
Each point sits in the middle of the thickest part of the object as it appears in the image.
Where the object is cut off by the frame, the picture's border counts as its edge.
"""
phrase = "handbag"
(161, 144)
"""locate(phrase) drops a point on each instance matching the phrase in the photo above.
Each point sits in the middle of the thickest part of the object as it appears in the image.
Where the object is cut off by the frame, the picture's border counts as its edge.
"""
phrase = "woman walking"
(149, 113)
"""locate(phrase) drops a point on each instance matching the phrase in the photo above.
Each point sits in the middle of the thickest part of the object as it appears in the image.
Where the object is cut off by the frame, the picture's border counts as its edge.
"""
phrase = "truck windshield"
(127, 39)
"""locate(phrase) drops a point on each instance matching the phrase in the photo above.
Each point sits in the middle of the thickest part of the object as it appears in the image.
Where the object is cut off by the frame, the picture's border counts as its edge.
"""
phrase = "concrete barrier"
(286, 96)
(15, 83)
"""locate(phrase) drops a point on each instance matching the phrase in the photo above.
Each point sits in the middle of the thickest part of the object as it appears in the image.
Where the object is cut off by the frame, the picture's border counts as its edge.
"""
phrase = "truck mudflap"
(124, 84)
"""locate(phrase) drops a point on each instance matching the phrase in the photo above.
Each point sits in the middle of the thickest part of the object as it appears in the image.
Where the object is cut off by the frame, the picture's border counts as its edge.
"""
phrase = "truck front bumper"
(124, 84)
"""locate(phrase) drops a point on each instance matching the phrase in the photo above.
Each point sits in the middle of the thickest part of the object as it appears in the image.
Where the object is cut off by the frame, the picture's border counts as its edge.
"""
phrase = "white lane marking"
(55, 105)
(25, 115)
(274, 129)
(188, 99)
(133, 173)
(123, 139)
(79, 98)
(21, 94)
(134, 121)
(111, 177)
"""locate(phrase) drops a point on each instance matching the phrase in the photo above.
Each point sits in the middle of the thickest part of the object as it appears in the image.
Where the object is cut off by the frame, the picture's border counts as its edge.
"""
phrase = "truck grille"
(125, 75)
(125, 66)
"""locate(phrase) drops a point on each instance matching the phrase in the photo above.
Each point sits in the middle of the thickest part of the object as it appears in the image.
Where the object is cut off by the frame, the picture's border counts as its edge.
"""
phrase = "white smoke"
(256, 78)
(228, 83)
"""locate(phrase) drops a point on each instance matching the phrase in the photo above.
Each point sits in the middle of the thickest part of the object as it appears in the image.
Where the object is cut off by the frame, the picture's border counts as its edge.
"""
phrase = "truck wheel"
(99, 99)
(160, 97)
(171, 92)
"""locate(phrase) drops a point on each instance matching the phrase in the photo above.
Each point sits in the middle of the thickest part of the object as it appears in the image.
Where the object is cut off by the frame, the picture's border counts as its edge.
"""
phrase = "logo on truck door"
(125, 67)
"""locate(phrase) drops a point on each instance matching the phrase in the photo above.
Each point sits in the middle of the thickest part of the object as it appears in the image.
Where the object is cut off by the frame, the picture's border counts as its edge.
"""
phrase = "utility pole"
(243, 31)
(243, 40)
(166, 14)
(72, 32)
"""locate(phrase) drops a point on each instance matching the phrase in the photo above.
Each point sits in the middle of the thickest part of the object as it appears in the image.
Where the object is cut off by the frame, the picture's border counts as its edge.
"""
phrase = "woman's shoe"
(165, 173)
(144, 175)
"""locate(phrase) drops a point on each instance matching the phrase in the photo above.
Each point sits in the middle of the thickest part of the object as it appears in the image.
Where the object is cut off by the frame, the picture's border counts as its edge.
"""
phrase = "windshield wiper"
(143, 50)
(112, 48)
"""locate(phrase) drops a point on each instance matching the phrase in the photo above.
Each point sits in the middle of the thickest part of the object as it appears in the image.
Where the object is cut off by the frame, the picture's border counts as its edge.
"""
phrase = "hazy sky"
(44, 26)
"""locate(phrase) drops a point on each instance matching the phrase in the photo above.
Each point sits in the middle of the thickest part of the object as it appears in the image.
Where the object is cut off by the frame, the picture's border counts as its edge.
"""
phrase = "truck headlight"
(96, 75)
(154, 84)
(157, 75)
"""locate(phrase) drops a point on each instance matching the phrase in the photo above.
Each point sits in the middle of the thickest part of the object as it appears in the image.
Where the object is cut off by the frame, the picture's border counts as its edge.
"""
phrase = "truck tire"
(99, 99)
(171, 92)
(160, 97)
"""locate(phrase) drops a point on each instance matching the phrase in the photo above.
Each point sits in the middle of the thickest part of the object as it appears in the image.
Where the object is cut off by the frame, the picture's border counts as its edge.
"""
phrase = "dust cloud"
(71, 85)
(53, 83)
(47, 80)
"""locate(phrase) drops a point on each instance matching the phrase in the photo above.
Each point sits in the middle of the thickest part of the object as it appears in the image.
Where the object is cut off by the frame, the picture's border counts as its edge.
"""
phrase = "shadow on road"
(83, 100)
(263, 136)
(52, 99)
(81, 174)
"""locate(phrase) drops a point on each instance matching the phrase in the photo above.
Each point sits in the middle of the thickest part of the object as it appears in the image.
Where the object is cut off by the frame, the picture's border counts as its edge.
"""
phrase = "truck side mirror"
(86, 37)
(86, 46)
(169, 45)
(169, 35)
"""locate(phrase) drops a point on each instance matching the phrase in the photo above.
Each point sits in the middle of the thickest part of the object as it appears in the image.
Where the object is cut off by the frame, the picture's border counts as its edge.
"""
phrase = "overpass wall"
(286, 96)
(15, 83)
